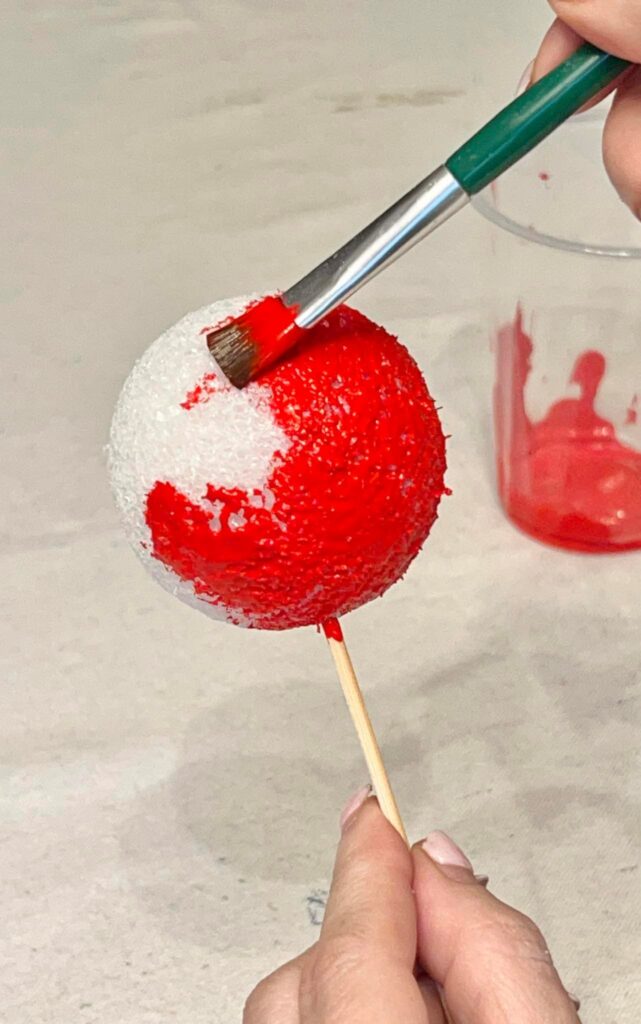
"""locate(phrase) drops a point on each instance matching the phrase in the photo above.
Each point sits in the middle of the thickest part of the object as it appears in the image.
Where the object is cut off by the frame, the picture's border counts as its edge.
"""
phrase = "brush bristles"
(235, 351)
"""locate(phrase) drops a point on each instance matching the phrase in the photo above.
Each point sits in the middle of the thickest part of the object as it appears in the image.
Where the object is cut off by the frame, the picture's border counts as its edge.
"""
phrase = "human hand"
(395, 919)
(615, 26)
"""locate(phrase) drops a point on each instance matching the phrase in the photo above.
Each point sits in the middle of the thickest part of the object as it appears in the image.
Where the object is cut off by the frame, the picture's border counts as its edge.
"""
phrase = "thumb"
(490, 960)
(614, 25)
(362, 968)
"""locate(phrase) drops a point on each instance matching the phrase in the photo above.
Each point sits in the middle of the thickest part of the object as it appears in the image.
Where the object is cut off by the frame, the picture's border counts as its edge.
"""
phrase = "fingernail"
(525, 80)
(353, 804)
(444, 851)
(575, 1000)
(482, 880)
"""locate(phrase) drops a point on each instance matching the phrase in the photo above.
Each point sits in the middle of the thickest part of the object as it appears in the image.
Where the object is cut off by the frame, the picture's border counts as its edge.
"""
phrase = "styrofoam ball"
(293, 500)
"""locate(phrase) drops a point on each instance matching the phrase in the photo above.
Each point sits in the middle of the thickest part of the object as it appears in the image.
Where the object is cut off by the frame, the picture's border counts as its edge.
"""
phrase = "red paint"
(271, 325)
(544, 176)
(332, 630)
(566, 479)
(206, 387)
(351, 502)
(184, 538)
(632, 412)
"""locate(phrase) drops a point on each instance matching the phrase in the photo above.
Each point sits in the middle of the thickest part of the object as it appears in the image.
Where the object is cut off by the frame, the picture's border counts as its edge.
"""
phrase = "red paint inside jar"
(566, 479)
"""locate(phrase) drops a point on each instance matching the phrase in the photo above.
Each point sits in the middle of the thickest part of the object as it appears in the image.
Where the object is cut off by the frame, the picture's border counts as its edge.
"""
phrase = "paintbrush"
(268, 328)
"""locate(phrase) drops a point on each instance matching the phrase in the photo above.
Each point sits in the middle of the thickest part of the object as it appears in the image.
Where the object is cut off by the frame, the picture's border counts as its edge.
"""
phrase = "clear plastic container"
(566, 284)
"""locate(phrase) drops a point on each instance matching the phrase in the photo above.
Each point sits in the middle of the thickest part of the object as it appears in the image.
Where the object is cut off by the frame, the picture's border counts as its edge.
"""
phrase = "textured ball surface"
(300, 497)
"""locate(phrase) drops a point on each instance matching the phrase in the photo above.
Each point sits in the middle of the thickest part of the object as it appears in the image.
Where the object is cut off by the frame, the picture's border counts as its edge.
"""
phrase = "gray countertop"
(171, 786)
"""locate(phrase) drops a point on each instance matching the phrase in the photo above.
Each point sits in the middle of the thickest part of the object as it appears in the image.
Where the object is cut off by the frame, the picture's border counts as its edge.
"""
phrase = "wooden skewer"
(363, 725)
(366, 735)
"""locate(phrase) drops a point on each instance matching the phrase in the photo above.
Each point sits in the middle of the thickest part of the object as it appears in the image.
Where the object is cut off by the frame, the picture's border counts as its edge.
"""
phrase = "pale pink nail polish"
(525, 79)
(354, 803)
(444, 851)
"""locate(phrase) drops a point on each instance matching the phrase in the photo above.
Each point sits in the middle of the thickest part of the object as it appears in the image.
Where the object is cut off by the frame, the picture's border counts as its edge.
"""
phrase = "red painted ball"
(300, 497)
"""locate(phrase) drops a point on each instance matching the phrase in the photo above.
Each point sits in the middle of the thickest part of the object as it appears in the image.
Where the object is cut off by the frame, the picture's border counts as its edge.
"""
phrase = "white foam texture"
(230, 440)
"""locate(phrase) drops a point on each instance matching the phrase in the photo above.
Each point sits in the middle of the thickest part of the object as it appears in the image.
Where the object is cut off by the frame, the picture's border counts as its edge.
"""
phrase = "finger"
(622, 142)
(559, 42)
(614, 25)
(430, 995)
(362, 970)
(371, 891)
(275, 998)
(622, 136)
(491, 961)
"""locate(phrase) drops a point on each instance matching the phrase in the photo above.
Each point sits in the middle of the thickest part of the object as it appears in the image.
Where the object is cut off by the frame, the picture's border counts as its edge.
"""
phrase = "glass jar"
(566, 298)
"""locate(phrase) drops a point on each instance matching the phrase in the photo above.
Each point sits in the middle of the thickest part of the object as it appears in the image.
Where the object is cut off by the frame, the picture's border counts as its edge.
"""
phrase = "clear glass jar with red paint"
(566, 337)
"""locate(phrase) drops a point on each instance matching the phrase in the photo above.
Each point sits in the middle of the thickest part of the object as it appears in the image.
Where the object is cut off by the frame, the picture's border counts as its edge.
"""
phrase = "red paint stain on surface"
(544, 176)
(565, 479)
(345, 510)
(332, 630)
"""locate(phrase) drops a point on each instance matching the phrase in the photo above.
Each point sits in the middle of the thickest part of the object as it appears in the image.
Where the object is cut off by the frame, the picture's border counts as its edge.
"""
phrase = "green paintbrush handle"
(532, 116)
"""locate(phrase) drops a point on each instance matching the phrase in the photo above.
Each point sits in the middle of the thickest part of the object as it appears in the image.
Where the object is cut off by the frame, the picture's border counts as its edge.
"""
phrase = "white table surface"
(170, 786)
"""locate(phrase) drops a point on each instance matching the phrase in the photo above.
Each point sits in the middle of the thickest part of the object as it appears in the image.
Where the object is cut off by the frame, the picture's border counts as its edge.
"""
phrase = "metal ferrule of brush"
(420, 211)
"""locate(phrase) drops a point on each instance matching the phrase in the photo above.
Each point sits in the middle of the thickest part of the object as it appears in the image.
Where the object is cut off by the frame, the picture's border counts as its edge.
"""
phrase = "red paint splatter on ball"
(345, 510)
(565, 479)
(203, 390)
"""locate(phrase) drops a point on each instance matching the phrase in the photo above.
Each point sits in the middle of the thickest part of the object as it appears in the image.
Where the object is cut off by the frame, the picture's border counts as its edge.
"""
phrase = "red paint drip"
(272, 327)
(345, 510)
(332, 630)
(632, 412)
(566, 479)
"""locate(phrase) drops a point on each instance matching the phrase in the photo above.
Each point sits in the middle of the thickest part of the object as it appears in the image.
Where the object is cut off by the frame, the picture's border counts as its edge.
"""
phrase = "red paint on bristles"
(272, 327)
(332, 630)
